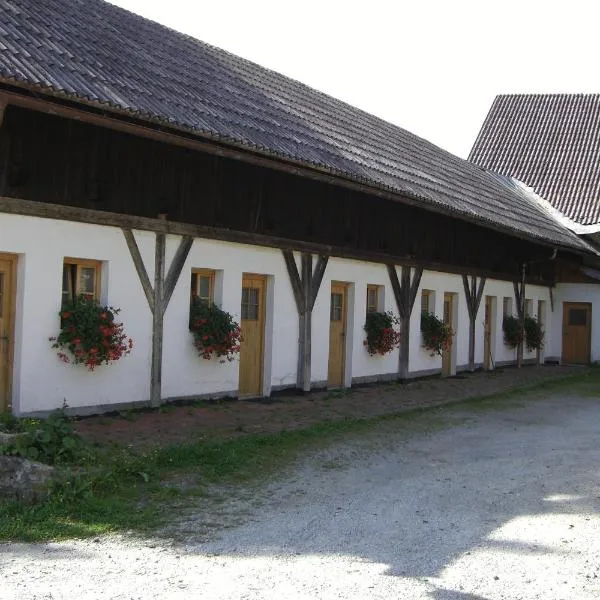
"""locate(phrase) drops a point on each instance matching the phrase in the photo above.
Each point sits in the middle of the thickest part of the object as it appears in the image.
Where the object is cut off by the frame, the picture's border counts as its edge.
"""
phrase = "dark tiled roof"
(94, 52)
(551, 143)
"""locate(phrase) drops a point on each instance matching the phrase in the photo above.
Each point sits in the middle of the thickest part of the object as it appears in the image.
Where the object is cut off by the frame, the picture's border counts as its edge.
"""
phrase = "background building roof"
(550, 142)
(95, 53)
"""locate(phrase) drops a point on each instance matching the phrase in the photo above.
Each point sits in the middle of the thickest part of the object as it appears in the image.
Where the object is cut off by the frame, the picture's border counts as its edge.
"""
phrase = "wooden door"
(488, 362)
(577, 327)
(448, 319)
(337, 334)
(253, 332)
(7, 309)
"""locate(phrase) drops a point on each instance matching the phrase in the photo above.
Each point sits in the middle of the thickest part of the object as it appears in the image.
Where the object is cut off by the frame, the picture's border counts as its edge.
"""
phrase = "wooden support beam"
(294, 276)
(473, 294)
(3, 105)
(405, 293)
(551, 290)
(177, 263)
(157, 320)
(317, 279)
(306, 288)
(46, 210)
(158, 296)
(140, 267)
(519, 288)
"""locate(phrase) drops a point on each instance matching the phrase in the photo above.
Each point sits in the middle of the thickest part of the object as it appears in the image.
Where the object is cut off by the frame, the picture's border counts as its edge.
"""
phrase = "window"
(578, 317)
(250, 304)
(80, 278)
(372, 298)
(507, 307)
(529, 308)
(203, 285)
(427, 301)
(337, 306)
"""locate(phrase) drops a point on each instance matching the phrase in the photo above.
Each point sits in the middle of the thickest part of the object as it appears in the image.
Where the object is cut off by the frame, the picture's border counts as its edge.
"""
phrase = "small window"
(80, 278)
(578, 317)
(529, 308)
(203, 285)
(427, 301)
(337, 305)
(507, 307)
(250, 304)
(372, 298)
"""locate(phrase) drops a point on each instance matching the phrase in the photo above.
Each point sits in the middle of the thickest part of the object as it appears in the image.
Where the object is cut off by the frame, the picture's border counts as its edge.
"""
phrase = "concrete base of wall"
(276, 392)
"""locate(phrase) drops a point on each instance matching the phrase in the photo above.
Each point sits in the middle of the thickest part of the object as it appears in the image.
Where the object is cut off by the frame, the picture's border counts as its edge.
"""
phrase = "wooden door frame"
(588, 306)
(263, 318)
(13, 258)
(346, 286)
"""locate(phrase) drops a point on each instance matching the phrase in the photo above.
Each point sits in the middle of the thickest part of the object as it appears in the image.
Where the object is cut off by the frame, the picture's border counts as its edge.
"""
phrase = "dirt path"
(232, 418)
(494, 504)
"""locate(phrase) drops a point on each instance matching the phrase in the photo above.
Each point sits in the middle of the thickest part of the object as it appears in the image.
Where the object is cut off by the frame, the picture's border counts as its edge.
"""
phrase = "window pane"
(204, 287)
(336, 307)
(87, 281)
(250, 304)
(372, 299)
(578, 317)
(447, 311)
(424, 302)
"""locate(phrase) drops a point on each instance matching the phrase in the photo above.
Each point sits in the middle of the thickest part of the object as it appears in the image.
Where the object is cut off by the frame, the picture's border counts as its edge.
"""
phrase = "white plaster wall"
(576, 292)
(358, 362)
(419, 358)
(184, 373)
(41, 381)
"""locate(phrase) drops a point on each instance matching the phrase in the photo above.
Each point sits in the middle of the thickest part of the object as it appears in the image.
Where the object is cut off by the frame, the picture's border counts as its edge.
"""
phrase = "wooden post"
(405, 294)
(306, 289)
(158, 296)
(519, 288)
(473, 294)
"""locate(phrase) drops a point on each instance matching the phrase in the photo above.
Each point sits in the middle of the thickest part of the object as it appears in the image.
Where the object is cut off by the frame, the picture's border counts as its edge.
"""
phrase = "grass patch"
(128, 491)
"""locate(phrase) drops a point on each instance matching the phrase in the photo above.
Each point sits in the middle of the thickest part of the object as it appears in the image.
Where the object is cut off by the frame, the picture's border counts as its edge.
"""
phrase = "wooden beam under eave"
(46, 210)
(3, 105)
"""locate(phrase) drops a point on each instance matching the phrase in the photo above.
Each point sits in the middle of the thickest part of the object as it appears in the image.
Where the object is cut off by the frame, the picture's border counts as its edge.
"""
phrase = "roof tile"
(550, 142)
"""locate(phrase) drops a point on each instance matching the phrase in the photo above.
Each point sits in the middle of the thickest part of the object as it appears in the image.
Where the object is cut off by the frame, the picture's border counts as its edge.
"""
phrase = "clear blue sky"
(432, 67)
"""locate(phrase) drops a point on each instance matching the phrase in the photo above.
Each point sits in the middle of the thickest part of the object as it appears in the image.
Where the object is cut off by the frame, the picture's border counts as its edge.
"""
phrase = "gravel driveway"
(493, 504)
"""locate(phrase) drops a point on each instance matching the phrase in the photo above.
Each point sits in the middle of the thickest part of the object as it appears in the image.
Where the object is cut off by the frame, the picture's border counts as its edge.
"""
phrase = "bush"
(51, 441)
(9, 423)
(513, 331)
(381, 335)
(437, 335)
(215, 331)
(90, 334)
(534, 334)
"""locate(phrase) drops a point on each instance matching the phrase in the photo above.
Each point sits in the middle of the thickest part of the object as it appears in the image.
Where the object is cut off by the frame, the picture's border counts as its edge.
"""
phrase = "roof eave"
(13, 90)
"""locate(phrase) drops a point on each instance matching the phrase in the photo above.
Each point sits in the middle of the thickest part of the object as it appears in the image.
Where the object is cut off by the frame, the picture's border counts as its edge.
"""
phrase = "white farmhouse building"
(142, 167)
